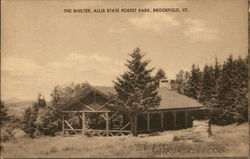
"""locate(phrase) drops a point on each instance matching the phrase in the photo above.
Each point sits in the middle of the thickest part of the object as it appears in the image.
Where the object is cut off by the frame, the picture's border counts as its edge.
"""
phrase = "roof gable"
(78, 104)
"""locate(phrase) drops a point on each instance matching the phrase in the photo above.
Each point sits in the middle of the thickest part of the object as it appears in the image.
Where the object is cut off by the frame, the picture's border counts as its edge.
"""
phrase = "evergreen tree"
(136, 88)
(240, 105)
(28, 122)
(232, 93)
(207, 85)
(3, 114)
(49, 118)
(179, 82)
(214, 108)
(194, 83)
(223, 89)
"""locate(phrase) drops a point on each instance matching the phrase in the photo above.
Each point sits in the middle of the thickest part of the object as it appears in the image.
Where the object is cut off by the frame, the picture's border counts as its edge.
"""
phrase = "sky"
(42, 46)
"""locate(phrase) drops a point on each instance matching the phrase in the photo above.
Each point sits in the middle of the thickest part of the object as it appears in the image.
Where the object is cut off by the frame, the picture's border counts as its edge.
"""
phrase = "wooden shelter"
(90, 112)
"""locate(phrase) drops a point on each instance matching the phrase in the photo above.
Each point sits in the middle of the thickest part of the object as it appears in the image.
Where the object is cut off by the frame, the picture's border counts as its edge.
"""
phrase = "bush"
(87, 133)
(8, 133)
(18, 133)
(176, 138)
(5, 135)
(58, 134)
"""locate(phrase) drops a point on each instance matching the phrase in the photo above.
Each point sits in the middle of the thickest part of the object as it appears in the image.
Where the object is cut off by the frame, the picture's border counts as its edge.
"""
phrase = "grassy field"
(227, 141)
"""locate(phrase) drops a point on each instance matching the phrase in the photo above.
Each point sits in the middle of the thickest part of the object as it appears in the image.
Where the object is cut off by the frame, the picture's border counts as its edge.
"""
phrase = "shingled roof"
(169, 99)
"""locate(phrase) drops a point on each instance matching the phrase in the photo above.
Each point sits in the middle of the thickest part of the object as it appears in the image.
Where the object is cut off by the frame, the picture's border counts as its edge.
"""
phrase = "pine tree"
(194, 83)
(232, 91)
(3, 114)
(28, 123)
(49, 118)
(207, 85)
(240, 105)
(214, 108)
(136, 88)
(179, 82)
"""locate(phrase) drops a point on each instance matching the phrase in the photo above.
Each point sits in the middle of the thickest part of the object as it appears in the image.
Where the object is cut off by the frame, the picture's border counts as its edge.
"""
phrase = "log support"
(186, 119)
(148, 122)
(174, 119)
(83, 123)
(107, 123)
(162, 120)
(63, 124)
(135, 125)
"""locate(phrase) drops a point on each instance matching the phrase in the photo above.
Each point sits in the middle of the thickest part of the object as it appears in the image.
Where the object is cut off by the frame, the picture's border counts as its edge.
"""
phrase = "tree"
(194, 83)
(207, 85)
(232, 94)
(214, 108)
(181, 82)
(49, 118)
(28, 122)
(240, 104)
(222, 88)
(136, 88)
(3, 114)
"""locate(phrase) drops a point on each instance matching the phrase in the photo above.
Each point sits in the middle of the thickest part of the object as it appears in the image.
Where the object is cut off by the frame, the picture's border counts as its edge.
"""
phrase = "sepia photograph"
(124, 79)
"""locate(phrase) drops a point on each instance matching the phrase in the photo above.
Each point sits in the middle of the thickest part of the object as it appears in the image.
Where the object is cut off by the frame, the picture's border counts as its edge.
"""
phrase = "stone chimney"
(164, 83)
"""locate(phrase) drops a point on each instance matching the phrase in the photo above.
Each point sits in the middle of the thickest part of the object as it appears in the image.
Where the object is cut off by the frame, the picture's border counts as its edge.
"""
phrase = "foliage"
(207, 85)
(181, 82)
(28, 123)
(3, 114)
(222, 88)
(5, 134)
(48, 121)
(136, 88)
(193, 86)
(232, 92)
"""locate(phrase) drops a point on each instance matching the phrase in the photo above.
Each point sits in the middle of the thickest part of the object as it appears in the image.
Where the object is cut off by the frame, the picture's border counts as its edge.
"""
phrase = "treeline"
(45, 119)
(222, 88)
(42, 118)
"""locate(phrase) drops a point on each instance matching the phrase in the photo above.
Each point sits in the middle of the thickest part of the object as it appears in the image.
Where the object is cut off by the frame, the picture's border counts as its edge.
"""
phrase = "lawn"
(227, 141)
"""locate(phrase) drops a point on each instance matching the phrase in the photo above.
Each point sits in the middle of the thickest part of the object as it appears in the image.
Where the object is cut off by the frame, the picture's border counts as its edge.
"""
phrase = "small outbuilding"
(92, 112)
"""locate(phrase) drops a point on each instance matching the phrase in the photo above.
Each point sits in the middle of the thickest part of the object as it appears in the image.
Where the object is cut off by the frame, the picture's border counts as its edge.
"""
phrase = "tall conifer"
(136, 88)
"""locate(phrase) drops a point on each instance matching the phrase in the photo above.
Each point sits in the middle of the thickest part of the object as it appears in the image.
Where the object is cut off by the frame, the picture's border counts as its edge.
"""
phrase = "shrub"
(5, 135)
(18, 133)
(58, 134)
(87, 133)
(176, 138)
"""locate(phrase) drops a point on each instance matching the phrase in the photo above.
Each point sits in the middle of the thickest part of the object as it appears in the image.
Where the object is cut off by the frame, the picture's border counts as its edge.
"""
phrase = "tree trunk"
(133, 121)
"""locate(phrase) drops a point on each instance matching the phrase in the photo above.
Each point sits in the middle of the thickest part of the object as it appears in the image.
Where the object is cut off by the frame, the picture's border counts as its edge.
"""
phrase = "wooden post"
(162, 124)
(135, 133)
(186, 119)
(174, 119)
(148, 122)
(131, 123)
(83, 123)
(107, 124)
(63, 124)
